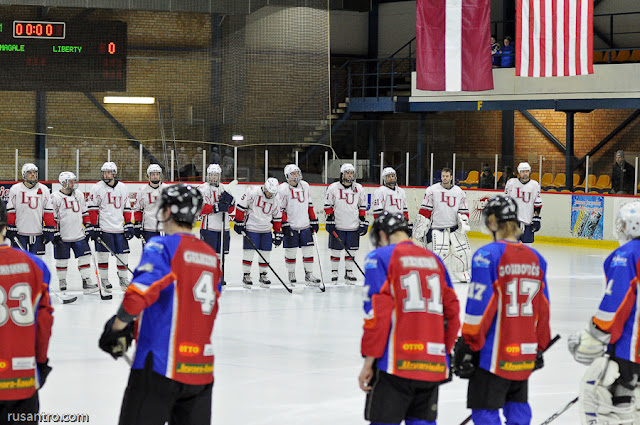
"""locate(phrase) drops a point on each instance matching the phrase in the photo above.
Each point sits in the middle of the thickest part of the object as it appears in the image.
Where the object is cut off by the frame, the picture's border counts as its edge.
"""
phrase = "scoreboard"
(63, 56)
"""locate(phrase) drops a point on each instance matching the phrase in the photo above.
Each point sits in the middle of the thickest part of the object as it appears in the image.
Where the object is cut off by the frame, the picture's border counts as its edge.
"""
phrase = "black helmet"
(503, 207)
(184, 202)
(388, 223)
(3, 214)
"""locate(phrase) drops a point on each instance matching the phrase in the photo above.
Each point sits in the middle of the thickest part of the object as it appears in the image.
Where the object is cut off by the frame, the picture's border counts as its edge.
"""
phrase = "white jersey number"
(22, 315)
(415, 301)
(528, 287)
(204, 293)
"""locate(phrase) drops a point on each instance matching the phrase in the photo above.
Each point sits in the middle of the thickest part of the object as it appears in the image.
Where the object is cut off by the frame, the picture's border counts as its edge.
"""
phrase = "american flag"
(554, 38)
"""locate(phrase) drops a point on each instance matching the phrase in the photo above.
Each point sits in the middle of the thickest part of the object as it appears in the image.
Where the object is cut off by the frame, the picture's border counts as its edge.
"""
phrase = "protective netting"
(259, 70)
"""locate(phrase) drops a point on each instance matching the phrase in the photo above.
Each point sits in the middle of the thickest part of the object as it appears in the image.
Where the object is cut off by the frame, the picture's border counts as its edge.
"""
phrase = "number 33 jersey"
(175, 292)
(507, 312)
(409, 298)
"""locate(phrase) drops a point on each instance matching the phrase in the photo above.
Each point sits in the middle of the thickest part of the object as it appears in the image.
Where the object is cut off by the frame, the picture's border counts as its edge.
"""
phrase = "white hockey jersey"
(211, 195)
(347, 204)
(28, 208)
(109, 207)
(296, 204)
(258, 211)
(146, 206)
(442, 206)
(527, 197)
(70, 212)
(391, 200)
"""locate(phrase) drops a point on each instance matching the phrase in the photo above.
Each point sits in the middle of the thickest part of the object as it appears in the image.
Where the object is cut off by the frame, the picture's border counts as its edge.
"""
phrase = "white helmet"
(524, 166)
(347, 167)
(28, 167)
(109, 166)
(64, 178)
(628, 221)
(292, 168)
(154, 168)
(271, 185)
(212, 170)
(387, 172)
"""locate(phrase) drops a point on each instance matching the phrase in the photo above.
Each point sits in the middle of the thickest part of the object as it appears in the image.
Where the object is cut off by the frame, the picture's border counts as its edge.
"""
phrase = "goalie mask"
(156, 170)
(109, 166)
(388, 223)
(214, 174)
(29, 167)
(389, 178)
(184, 202)
(270, 187)
(347, 173)
(292, 173)
(67, 180)
(628, 222)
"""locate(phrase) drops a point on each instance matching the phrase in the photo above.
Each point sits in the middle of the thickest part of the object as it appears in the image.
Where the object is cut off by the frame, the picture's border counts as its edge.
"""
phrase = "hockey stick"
(560, 412)
(553, 341)
(127, 359)
(103, 297)
(315, 242)
(231, 184)
(113, 253)
(294, 290)
(67, 299)
(335, 235)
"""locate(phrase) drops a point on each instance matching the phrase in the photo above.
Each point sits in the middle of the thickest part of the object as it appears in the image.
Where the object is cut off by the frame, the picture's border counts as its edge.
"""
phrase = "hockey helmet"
(212, 171)
(389, 172)
(29, 167)
(290, 169)
(271, 186)
(524, 166)
(154, 168)
(64, 178)
(628, 221)
(503, 207)
(388, 223)
(347, 167)
(184, 202)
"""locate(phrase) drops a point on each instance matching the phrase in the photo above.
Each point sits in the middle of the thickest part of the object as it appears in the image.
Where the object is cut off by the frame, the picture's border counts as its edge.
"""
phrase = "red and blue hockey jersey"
(409, 298)
(618, 313)
(175, 292)
(507, 312)
(25, 322)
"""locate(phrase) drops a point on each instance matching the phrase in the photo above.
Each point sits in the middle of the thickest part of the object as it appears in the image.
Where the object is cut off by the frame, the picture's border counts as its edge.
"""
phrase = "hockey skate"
(63, 284)
(349, 278)
(311, 280)
(124, 283)
(334, 276)
(106, 286)
(264, 282)
(292, 279)
(88, 287)
(246, 281)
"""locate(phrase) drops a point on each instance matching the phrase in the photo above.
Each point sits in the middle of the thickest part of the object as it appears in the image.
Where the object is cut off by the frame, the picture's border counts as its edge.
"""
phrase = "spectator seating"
(635, 56)
(622, 56)
(603, 183)
(472, 179)
(499, 175)
(598, 57)
(591, 180)
(547, 180)
(559, 181)
(535, 176)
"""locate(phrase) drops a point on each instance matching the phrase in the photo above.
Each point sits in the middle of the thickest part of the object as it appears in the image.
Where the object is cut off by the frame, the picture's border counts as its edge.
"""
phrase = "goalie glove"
(463, 224)
(421, 227)
(588, 345)
(116, 343)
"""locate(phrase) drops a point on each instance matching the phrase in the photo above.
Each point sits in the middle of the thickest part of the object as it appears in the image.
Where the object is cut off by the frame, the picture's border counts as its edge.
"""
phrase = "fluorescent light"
(129, 99)
(237, 138)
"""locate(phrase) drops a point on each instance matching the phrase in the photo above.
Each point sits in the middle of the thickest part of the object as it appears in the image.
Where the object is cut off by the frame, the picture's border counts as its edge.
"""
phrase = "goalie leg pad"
(459, 261)
(596, 400)
(440, 242)
(517, 413)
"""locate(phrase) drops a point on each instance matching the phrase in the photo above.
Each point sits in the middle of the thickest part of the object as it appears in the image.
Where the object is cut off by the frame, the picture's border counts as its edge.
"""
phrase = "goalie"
(442, 223)
(609, 391)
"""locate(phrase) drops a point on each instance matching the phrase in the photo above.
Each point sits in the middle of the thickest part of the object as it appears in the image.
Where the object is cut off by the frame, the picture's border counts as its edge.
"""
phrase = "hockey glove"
(539, 361)
(465, 361)
(239, 227)
(364, 227)
(314, 225)
(89, 230)
(330, 224)
(116, 343)
(128, 231)
(12, 232)
(277, 238)
(43, 370)
(57, 239)
(137, 229)
(410, 226)
(48, 234)
(286, 229)
(224, 203)
(536, 223)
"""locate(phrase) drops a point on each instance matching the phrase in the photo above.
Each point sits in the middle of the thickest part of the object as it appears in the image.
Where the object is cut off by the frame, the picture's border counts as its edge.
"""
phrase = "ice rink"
(294, 359)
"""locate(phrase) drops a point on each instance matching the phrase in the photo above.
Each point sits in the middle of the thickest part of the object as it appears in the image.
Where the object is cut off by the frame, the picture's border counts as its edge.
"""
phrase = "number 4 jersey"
(175, 292)
(409, 298)
(507, 312)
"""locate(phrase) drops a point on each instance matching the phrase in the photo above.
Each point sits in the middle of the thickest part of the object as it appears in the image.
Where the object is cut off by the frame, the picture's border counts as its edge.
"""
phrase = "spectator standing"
(622, 176)
(486, 178)
(507, 53)
(495, 49)
(508, 174)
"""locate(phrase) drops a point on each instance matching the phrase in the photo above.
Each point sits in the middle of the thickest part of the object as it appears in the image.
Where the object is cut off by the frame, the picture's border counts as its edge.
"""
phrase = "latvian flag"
(453, 45)
(554, 38)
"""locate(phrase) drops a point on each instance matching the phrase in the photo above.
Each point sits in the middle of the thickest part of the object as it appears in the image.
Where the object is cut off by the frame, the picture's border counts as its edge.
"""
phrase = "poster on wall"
(587, 216)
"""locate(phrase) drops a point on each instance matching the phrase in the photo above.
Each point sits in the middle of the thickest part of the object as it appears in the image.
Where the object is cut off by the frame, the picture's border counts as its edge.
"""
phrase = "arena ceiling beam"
(537, 124)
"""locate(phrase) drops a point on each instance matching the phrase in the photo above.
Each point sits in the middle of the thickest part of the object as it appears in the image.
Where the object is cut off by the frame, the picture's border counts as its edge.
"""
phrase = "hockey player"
(390, 197)
(26, 328)
(444, 219)
(146, 224)
(607, 388)
(256, 211)
(70, 213)
(506, 325)
(110, 215)
(412, 319)
(345, 206)
(174, 295)
(218, 203)
(28, 205)
(526, 193)
(298, 222)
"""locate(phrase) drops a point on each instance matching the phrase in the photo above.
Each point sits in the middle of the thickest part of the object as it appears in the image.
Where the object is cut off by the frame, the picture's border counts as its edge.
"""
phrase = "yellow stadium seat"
(560, 180)
(547, 180)
(622, 56)
(576, 179)
(603, 183)
(499, 174)
(535, 176)
(598, 57)
(472, 178)
(635, 56)
(592, 182)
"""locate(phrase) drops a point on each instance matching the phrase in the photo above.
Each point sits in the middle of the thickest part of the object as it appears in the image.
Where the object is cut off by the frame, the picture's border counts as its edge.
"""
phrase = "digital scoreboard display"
(63, 56)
